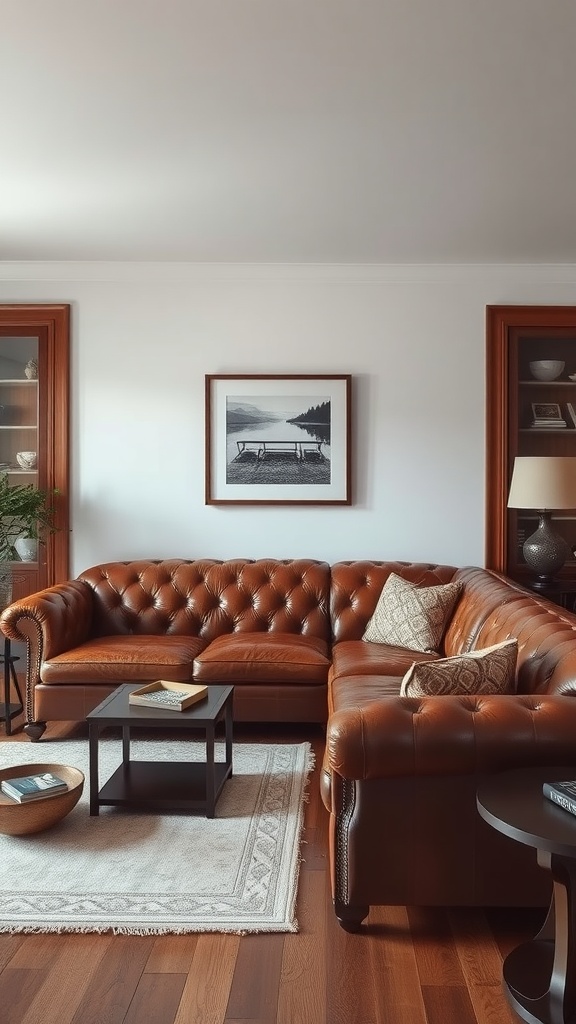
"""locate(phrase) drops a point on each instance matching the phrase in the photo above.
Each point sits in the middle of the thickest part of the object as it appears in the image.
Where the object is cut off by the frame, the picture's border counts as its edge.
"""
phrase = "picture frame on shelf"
(278, 439)
(548, 411)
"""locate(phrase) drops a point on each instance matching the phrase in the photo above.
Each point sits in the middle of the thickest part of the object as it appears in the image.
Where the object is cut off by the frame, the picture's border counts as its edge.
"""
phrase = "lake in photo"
(277, 440)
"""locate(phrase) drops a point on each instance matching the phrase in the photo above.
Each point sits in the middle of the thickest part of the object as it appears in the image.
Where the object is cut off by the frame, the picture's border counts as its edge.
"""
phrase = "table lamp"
(544, 483)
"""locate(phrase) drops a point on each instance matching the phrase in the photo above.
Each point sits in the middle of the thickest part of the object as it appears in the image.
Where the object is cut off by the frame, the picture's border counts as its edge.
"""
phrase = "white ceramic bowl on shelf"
(26, 460)
(546, 369)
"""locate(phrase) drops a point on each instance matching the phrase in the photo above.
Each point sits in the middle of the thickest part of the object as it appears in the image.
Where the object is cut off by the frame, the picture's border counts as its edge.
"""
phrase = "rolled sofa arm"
(450, 735)
(48, 622)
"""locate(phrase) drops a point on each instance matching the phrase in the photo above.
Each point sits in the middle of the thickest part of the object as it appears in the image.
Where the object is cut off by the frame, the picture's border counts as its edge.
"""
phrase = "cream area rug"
(147, 873)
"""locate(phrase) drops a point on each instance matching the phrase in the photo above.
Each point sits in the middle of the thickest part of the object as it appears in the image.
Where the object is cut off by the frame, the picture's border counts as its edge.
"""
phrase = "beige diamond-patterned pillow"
(410, 616)
(490, 670)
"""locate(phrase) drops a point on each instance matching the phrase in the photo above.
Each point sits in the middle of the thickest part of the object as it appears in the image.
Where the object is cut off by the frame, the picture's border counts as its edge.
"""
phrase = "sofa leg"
(350, 917)
(35, 730)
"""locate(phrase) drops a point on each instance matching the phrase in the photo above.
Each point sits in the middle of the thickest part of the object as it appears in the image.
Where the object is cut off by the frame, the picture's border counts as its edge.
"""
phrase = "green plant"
(25, 511)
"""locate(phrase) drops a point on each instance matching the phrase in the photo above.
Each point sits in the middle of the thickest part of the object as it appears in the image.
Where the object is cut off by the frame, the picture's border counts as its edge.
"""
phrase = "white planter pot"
(27, 548)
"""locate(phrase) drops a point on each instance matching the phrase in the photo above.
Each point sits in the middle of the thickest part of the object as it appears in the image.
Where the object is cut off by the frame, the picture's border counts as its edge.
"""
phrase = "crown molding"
(313, 273)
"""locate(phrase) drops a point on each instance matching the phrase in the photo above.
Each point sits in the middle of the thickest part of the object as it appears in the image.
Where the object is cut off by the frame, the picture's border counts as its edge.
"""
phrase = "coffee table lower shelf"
(162, 786)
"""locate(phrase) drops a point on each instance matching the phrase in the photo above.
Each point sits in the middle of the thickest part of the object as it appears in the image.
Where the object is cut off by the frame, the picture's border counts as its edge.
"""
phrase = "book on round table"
(562, 793)
(33, 787)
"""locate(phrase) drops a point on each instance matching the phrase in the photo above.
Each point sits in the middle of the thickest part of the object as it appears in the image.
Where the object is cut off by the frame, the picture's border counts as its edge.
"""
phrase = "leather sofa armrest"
(48, 622)
(62, 616)
(450, 735)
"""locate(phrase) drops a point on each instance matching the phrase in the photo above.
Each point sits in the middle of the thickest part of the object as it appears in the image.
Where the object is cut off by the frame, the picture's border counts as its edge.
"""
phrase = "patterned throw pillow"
(490, 670)
(410, 616)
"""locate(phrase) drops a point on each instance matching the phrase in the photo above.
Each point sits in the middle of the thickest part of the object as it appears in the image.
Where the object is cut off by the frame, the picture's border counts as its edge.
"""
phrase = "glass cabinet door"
(530, 411)
(34, 381)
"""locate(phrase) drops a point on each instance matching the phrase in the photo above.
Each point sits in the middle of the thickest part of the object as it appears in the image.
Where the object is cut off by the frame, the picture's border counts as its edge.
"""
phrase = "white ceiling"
(288, 130)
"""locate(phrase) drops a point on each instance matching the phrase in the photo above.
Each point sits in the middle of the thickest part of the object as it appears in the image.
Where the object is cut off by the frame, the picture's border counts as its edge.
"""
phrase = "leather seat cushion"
(356, 691)
(263, 658)
(358, 657)
(124, 659)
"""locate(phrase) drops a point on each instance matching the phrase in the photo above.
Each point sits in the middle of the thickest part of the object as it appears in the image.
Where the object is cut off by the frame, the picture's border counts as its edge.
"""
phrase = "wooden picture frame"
(278, 439)
(549, 412)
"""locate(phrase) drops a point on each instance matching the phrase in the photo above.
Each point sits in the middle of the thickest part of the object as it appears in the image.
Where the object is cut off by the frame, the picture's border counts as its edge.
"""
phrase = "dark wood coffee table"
(161, 785)
(540, 976)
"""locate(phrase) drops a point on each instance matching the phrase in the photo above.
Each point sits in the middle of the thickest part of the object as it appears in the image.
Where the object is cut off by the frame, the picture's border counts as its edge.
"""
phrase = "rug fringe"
(59, 929)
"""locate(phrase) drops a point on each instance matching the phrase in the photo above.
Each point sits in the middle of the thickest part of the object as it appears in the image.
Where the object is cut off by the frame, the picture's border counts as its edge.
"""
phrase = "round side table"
(539, 976)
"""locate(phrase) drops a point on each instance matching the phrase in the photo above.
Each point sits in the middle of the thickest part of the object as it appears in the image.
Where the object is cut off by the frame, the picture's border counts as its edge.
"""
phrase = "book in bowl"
(33, 787)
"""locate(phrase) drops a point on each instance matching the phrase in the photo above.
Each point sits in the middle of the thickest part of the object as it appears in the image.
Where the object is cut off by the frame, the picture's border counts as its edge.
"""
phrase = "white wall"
(413, 337)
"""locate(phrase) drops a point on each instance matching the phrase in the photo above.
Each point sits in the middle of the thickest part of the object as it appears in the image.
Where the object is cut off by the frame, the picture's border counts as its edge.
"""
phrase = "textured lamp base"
(545, 550)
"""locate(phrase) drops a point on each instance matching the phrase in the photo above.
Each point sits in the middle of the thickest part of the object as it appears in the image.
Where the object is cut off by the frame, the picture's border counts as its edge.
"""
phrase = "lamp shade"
(543, 482)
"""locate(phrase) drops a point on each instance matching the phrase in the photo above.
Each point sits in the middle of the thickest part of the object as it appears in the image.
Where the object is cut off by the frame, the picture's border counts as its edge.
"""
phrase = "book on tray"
(33, 787)
(168, 696)
(562, 793)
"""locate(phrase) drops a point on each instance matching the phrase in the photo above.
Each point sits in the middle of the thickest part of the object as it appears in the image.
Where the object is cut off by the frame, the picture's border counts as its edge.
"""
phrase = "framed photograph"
(278, 440)
(546, 411)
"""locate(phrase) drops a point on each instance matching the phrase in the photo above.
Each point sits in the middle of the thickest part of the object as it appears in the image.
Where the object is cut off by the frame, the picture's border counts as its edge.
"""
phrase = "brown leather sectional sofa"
(400, 773)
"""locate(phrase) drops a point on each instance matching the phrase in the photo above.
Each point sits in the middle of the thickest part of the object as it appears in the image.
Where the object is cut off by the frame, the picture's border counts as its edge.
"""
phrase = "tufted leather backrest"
(356, 587)
(483, 595)
(207, 597)
(494, 608)
(491, 608)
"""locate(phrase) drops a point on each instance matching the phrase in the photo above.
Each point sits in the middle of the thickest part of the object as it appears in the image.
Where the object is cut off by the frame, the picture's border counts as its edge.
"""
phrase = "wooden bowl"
(20, 819)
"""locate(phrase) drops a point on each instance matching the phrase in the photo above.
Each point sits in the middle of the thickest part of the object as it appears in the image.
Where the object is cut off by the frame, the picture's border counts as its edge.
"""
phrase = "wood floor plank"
(156, 999)
(205, 996)
(393, 967)
(491, 1006)
(477, 950)
(66, 978)
(481, 966)
(110, 992)
(350, 995)
(172, 954)
(449, 1005)
(314, 848)
(302, 994)
(19, 988)
(38, 950)
(9, 947)
(434, 946)
(254, 990)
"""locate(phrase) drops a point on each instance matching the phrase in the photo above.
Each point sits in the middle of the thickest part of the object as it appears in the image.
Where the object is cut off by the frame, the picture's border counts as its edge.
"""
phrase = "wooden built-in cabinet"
(34, 418)
(515, 337)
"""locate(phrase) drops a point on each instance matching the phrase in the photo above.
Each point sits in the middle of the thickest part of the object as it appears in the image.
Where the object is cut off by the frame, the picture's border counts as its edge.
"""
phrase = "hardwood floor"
(409, 966)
